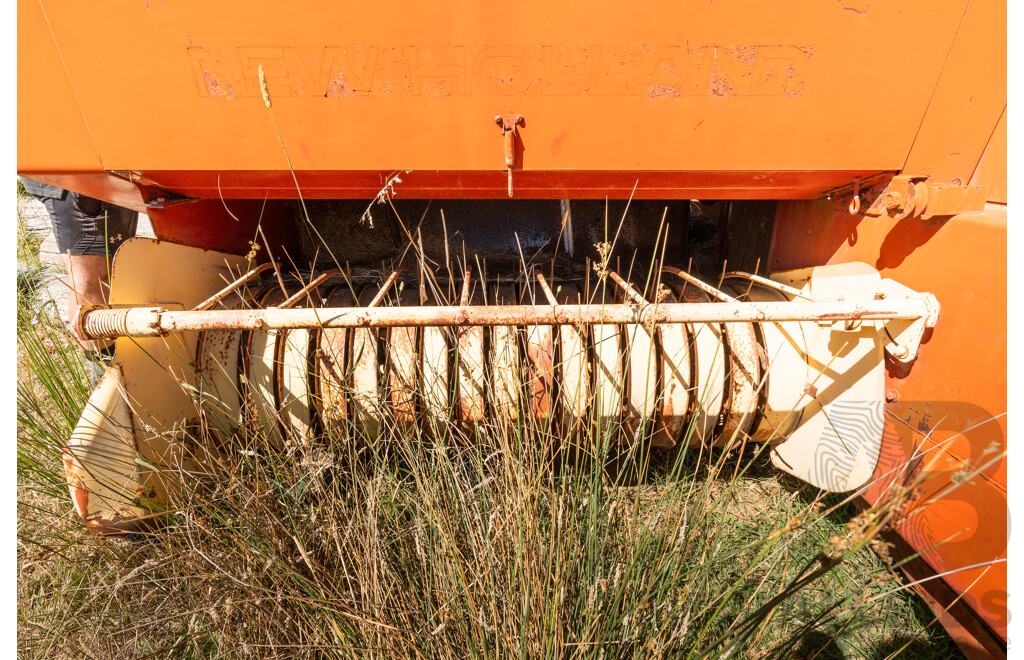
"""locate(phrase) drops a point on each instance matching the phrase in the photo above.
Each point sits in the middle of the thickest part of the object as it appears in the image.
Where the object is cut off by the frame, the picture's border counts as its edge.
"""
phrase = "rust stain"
(214, 86)
(665, 91)
(540, 371)
(403, 356)
(855, 6)
(338, 89)
(720, 86)
(747, 54)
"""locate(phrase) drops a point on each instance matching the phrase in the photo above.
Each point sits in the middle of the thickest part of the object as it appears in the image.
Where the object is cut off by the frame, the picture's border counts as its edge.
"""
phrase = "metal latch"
(508, 125)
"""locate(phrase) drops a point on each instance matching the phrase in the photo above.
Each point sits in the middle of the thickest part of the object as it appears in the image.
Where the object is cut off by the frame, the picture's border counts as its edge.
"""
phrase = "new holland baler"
(712, 222)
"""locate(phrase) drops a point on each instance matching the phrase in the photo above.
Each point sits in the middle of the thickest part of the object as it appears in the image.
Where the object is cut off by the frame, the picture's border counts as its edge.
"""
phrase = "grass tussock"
(448, 542)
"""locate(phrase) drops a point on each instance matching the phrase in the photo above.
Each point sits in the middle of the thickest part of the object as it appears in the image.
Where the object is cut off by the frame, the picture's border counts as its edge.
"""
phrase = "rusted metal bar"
(154, 321)
(384, 288)
(546, 289)
(308, 288)
(630, 291)
(464, 299)
(226, 291)
(707, 288)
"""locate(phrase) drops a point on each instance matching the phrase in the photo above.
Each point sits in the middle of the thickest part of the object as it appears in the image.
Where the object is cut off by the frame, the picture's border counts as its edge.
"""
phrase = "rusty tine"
(226, 291)
(630, 291)
(707, 288)
(384, 289)
(306, 290)
(546, 289)
(778, 286)
(464, 300)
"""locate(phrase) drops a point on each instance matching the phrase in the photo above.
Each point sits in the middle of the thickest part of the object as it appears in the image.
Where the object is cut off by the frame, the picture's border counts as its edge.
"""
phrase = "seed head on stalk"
(263, 86)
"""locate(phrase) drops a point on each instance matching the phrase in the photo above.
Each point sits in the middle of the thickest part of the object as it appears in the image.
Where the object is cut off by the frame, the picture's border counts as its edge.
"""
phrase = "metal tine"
(306, 290)
(707, 288)
(226, 291)
(384, 288)
(464, 300)
(630, 291)
(546, 289)
(778, 286)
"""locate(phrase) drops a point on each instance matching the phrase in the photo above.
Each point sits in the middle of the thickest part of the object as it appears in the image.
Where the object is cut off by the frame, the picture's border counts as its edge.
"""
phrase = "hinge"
(914, 196)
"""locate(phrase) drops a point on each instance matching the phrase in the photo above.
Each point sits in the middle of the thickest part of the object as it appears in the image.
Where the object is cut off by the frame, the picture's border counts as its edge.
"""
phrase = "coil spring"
(105, 326)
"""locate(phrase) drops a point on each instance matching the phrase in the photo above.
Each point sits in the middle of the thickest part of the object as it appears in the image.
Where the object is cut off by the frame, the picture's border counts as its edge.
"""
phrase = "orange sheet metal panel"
(52, 133)
(952, 402)
(729, 86)
(991, 170)
(968, 99)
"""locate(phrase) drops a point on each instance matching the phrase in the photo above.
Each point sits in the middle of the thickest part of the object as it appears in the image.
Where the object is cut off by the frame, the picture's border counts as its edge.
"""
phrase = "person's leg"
(87, 275)
(88, 234)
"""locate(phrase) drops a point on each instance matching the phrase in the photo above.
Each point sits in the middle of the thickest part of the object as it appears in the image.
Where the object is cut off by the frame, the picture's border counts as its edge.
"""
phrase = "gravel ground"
(55, 282)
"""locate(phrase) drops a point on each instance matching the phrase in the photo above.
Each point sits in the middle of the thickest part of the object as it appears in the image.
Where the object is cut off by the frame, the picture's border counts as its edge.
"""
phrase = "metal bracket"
(914, 196)
(153, 196)
(508, 125)
(905, 334)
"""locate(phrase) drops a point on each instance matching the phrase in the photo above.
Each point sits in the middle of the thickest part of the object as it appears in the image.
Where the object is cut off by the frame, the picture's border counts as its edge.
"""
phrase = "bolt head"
(892, 396)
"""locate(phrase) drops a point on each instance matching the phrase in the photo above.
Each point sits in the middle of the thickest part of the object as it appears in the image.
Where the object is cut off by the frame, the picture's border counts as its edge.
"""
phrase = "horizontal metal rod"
(154, 321)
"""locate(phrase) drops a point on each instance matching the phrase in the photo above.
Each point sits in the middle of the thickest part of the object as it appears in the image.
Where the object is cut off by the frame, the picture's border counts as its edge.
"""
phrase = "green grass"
(448, 542)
